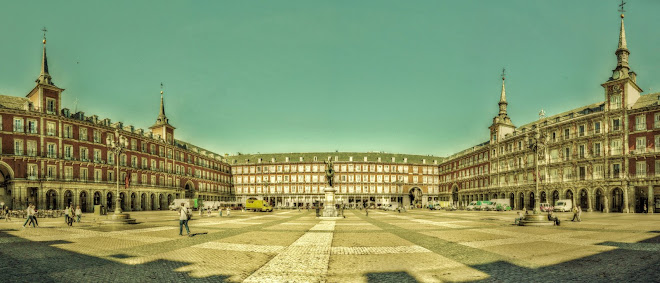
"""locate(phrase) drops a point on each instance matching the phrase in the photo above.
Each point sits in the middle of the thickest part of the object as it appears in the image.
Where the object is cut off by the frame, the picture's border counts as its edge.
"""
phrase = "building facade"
(603, 156)
(52, 157)
(299, 179)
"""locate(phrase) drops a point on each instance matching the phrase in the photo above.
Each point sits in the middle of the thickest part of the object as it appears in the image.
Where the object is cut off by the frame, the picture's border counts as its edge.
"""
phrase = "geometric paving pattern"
(294, 246)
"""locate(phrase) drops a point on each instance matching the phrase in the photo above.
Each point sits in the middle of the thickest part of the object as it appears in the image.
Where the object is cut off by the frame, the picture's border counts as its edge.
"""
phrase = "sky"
(415, 77)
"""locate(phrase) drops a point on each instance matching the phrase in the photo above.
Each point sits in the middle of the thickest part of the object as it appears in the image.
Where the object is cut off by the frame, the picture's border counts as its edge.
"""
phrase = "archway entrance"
(83, 201)
(512, 199)
(153, 202)
(143, 200)
(532, 200)
(543, 197)
(416, 197)
(68, 198)
(122, 201)
(454, 195)
(599, 200)
(584, 201)
(169, 199)
(569, 195)
(51, 200)
(189, 191)
(617, 200)
(555, 198)
(133, 201)
(97, 198)
(109, 202)
(521, 201)
(161, 200)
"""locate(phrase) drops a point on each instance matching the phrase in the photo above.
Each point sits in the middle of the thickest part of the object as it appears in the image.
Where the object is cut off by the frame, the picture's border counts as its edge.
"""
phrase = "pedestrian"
(220, 211)
(366, 210)
(78, 213)
(552, 217)
(201, 210)
(29, 213)
(317, 211)
(645, 209)
(184, 216)
(579, 214)
(7, 213)
(208, 212)
(68, 215)
(228, 210)
(517, 220)
(34, 216)
(575, 214)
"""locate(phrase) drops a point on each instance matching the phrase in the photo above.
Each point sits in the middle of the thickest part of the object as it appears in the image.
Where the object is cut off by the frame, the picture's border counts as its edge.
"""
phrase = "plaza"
(295, 246)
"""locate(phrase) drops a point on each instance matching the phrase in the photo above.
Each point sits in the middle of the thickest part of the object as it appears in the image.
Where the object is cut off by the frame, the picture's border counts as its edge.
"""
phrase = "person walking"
(575, 214)
(68, 215)
(184, 216)
(34, 216)
(78, 213)
(220, 211)
(366, 210)
(7, 213)
(579, 214)
(29, 211)
(228, 210)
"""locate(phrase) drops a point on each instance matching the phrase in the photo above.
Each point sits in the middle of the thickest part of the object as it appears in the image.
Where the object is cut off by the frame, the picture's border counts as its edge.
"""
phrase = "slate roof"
(13, 102)
(341, 157)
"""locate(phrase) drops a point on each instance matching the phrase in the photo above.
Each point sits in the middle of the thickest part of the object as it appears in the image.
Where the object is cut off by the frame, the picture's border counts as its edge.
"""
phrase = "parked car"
(545, 207)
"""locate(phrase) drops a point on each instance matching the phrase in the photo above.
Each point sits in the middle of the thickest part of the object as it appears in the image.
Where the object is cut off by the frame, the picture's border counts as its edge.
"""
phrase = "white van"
(563, 205)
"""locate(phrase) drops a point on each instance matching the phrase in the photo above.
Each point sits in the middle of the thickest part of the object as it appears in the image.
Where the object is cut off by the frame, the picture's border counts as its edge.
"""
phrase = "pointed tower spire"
(503, 102)
(44, 76)
(162, 126)
(622, 69)
(162, 119)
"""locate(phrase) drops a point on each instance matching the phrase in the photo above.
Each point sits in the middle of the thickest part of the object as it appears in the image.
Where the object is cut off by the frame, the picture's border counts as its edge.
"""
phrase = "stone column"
(589, 202)
(650, 204)
(626, 190)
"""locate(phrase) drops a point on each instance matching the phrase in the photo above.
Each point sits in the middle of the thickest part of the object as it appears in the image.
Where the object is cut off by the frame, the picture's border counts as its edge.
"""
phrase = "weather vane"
(503, 73)
(622, 4)
(44, 30)
(161, 88)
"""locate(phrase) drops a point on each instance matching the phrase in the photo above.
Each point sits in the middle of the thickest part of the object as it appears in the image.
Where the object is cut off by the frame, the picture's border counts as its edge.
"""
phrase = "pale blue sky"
(418, 77)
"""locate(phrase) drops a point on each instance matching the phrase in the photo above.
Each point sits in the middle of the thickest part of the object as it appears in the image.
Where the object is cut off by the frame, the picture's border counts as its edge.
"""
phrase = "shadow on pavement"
(630, 262)
(29, 261)
(399, 277)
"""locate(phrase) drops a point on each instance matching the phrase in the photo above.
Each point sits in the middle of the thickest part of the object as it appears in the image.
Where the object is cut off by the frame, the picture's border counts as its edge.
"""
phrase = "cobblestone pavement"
(293, 246)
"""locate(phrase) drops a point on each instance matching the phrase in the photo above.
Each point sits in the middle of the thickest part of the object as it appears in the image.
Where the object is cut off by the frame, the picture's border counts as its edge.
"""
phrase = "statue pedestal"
(119, 219)
(329, 210)
(536, 220)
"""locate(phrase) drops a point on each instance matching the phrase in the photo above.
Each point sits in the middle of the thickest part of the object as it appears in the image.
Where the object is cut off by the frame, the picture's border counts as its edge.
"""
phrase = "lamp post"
(536, 143)
(117, 145)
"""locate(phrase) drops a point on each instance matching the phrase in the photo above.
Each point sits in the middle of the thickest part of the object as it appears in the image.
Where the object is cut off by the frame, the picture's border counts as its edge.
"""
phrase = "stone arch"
(616, 200)
(555, 197)
(532, 201)
(123, 204)
(97, 198)
(161, 200)
(454, 193)
(521, 200)
(143, 200)
(415, 194)
(68, 198)
(83, 201)
(543, 197)
(599, 199)
(189, 190)
(169, 199)
(502, 195)
(583, 196)
(51, 200)
(110, 201)
(512, 199)
(154, 202)
(133, 201)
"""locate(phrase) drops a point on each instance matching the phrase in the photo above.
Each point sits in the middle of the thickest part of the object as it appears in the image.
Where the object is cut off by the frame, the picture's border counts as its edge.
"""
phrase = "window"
(597, 127)
(134, 161)
(32, 171)
(83, 134)
(567, 133)
(122, 160)
(640, 145)
(581, 130)
(84, 154)
(83, 174)
(640, 169)
(98, 175)
(616, 147)
(567, 153)
(52, 150)
(50, 128)
(640, 122)
(50, 106)
(111, 158)
(32, 148)
(598, 171)
(111, 175)
(133, 144)
(18, 125)
(616, 124)
(97, 136)
(144, 147)
(68, 173)
(51, 172)
(597, 151)
(32, 126)
(656, 120)
(657, 143)
(615, 102)
(68, 152)
(581, 150)
(616, 170)
(657, 168)
(97, 155)
(68, 131)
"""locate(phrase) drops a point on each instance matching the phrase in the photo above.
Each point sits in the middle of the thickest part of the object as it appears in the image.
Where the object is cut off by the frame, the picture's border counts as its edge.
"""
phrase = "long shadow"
(383, 277)
(630, 262)
(28, 261)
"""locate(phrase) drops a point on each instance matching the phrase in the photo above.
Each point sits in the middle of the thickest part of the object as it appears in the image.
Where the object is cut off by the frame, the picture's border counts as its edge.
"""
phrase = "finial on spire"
(621, 9)
(503, 73)
(44, 30)
(161, 88)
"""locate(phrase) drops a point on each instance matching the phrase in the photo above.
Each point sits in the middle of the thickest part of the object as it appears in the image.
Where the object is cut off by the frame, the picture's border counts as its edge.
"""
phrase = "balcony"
(640, 127)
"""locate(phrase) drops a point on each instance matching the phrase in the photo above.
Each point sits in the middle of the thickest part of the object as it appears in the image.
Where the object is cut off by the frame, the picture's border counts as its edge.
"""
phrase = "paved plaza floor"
(295, 246)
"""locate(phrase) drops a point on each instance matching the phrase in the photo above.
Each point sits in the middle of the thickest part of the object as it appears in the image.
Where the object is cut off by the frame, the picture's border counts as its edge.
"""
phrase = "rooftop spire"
(162, 119)
(622, 32)
(44, 76)
(503, 102)
(622, 69)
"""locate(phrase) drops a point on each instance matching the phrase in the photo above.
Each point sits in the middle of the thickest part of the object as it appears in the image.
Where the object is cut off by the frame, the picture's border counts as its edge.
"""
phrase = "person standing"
(579, 214)
(366, 211)
(7, 214)
(228, 210)
(29, 211)
(78, 213)
(184, 216)
(68, 215)
(220, 211)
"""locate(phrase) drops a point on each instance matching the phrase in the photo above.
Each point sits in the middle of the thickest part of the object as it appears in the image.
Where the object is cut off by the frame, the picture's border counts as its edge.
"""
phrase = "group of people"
(577, 216)
(31, 215)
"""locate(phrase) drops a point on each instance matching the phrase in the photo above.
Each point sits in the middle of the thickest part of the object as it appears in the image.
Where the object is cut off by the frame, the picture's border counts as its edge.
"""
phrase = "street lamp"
(536, 143)
(117, 144)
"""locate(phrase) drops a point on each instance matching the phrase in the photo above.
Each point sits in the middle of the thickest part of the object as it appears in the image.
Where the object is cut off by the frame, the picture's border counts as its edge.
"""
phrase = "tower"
(162, 126)
(621, 90)
(45, 96)
(502, 124)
